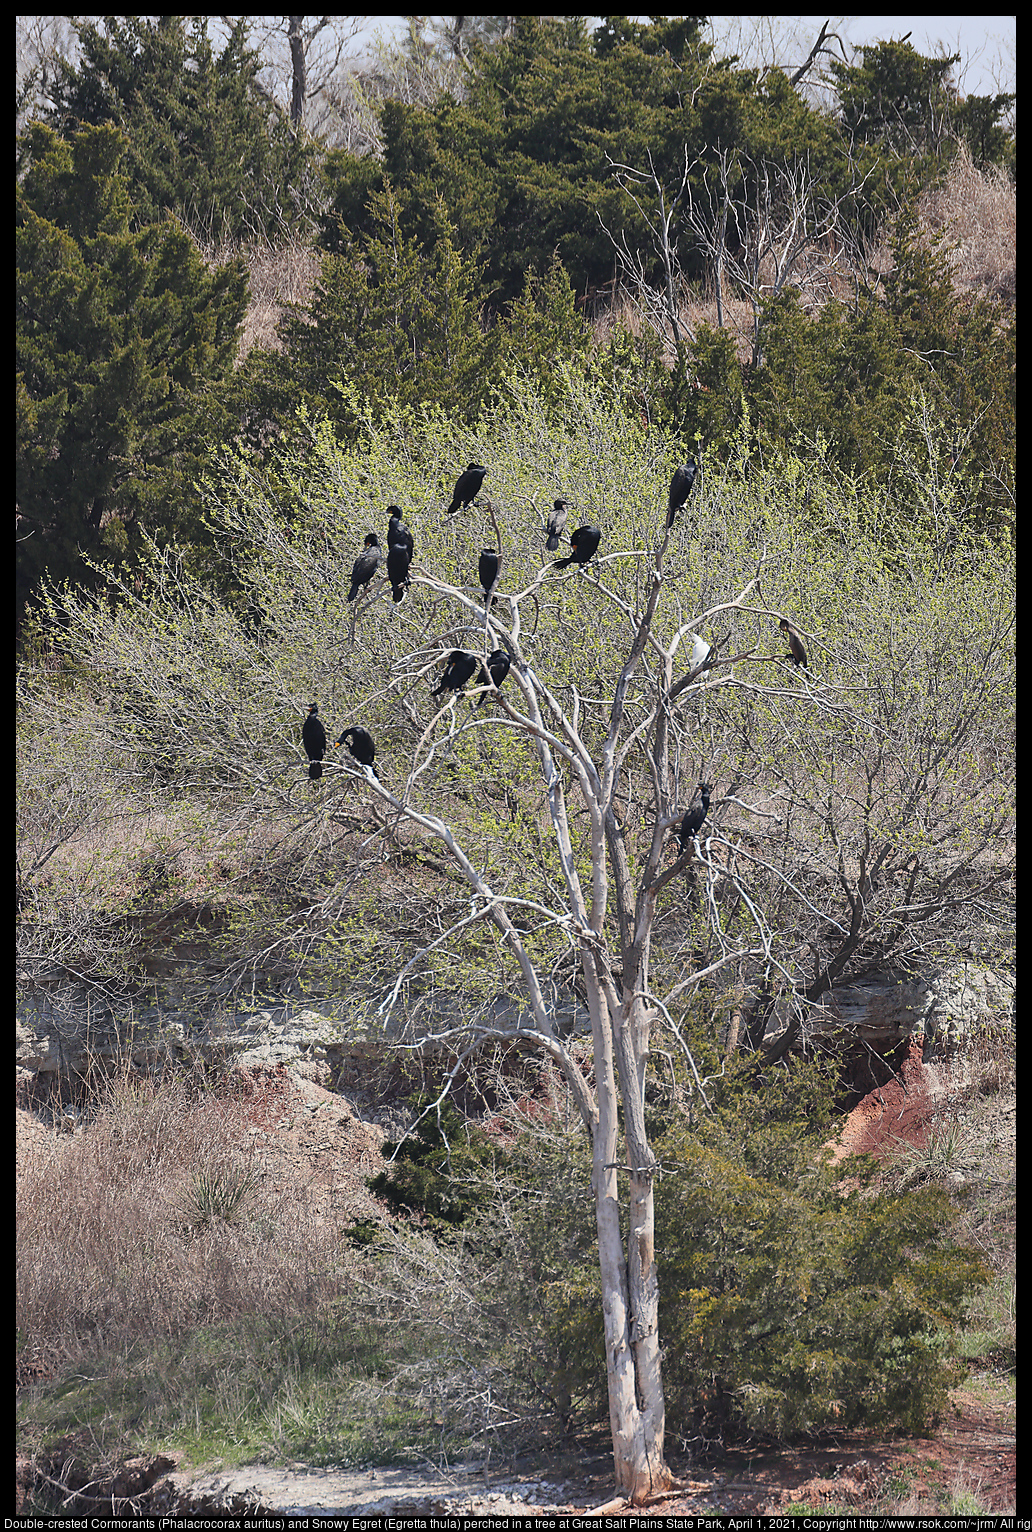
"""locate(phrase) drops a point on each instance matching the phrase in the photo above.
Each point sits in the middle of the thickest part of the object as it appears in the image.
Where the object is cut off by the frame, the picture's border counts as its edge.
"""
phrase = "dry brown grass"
(120, 1238)
(277, 276)
(978, 213)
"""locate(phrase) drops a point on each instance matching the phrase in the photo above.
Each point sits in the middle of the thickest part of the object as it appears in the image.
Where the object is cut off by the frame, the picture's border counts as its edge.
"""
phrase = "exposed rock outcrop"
(65, 1033)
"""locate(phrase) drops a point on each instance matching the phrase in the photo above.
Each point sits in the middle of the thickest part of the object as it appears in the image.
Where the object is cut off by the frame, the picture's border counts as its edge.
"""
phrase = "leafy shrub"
(790, 1304)
(436, 1170)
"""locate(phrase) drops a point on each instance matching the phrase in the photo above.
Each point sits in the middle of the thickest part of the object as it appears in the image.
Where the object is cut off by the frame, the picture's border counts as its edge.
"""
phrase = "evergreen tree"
(122, 338)
(524, 162)
(838, 374)
(399, 321)
(543, 331)
(897, 98)
(962, 354)
(203, 141)
(977, 120)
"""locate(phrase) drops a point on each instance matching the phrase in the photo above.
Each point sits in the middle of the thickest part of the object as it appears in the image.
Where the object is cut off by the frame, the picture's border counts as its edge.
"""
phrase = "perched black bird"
(366, 565)
(584, 542)
(692, 821)
(398, 560)
(457, 672)
(498, 662)
(556, 525)
(397, 531)
(468, 487)
(795, 644)
(360, 744)
(488, 569)
(680, 489)
(313, 737)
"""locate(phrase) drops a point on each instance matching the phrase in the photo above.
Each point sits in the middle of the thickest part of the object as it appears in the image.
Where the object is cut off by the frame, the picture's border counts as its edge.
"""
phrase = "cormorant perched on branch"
(692, 821)
(366, 565)
(795, 644)
(489, 569)
(467, 488)
(680, 488)
(398, 560)
(397, 531)
(584, 542)
(360, 744)
(456, 672)
(556, 525)
(498, 662)
(313, 737)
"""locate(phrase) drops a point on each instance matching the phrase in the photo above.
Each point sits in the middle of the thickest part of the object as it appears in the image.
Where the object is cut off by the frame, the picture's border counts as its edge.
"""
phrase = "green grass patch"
(327, 1390)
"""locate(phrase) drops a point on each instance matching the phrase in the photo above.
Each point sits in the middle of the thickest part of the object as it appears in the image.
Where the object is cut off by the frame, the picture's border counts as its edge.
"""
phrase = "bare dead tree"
(616, 980)
(761, 225)
(660, 211)
(766, 226)
(823, 37)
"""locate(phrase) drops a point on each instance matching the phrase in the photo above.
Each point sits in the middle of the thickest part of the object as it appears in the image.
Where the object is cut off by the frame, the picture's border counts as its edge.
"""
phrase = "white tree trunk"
(630, 1286)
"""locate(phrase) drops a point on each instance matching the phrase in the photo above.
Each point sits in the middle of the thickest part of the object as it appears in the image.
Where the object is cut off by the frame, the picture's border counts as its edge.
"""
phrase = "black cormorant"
(397, 531)
(795, 644)
(313, 737)
(556, 525)
(360, 744)
(692, 821)
(498, 662)
(584, 541)
(468, 487)
(680, 489)
(489, 569)
(366, 565)
(398, 560)
(456, 672)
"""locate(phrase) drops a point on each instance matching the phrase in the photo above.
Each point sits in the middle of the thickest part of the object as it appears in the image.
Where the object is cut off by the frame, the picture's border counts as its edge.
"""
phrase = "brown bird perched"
(556, 525)
(795, 644)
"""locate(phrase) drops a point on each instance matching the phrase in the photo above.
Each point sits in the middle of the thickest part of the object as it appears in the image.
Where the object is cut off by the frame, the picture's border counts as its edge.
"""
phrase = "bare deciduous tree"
(615, 972)
(863, 816)
(762, 226)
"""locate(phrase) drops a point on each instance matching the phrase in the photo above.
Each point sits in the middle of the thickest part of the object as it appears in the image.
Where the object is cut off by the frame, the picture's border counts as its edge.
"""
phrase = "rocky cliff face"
(63, 1033)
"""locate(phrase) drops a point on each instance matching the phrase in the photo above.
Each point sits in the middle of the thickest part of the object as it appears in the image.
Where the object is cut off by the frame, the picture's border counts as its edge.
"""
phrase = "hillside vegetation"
(517, 871)
(750, 263)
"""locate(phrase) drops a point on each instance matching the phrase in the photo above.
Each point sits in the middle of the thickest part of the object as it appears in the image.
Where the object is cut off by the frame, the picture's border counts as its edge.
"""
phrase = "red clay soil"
(973, 1451)
(896, 1114)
